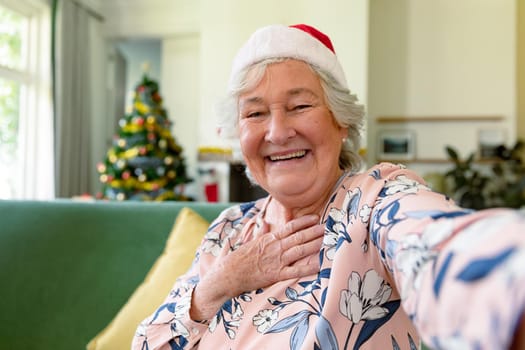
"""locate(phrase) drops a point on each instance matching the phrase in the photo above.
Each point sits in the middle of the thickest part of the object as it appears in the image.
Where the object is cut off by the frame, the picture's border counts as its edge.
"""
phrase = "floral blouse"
(400, 264)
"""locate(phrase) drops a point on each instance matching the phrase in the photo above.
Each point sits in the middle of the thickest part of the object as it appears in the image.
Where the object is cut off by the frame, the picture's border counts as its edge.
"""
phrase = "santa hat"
(301, 41)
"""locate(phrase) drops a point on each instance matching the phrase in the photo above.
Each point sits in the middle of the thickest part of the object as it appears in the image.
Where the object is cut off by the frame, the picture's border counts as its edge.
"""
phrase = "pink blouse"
(399, 264)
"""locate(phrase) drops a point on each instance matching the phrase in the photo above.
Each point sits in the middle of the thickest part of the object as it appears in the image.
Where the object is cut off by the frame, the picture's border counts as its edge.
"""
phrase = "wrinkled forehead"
(255, 74)
(283, 80)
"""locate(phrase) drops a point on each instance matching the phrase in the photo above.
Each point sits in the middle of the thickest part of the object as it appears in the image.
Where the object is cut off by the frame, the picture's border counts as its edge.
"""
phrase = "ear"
(343, 132)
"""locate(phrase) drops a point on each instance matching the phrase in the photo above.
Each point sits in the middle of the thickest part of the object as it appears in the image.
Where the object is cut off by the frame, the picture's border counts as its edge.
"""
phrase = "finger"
(298, 252)
(309, 260)
(300, 270)
(296, 225)
(303, 236)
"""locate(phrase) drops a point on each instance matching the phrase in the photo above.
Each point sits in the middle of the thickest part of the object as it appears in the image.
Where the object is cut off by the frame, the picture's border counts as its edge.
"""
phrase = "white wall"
(150, 18)
(181, 82)
(141, 55)
(443, 58)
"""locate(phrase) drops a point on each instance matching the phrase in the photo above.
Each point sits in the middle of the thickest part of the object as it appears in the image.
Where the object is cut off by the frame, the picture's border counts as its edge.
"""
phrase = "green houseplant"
(499, 182)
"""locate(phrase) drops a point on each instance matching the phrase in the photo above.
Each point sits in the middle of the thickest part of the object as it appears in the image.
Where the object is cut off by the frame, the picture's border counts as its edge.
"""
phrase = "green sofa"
(67, 267)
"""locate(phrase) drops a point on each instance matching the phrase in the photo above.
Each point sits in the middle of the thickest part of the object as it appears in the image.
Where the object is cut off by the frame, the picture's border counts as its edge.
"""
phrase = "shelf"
(436, 161)
(433, 119)
(417, 160)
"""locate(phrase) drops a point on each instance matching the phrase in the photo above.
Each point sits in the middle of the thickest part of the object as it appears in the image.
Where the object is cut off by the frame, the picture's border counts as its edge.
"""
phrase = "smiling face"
(288, 136)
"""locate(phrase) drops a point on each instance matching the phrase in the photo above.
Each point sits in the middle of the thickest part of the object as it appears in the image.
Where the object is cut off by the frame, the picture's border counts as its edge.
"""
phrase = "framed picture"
(488, 142)
(396, 144)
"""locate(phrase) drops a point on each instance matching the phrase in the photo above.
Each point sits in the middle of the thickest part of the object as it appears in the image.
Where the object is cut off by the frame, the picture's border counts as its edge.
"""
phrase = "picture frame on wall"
(489, 140)
(397, 144)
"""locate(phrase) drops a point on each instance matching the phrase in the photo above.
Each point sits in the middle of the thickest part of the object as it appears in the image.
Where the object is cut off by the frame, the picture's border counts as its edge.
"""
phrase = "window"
(13, 42)
(25, 100)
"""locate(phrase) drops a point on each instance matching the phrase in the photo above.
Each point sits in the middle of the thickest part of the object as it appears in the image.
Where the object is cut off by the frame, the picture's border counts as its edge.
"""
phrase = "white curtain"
(73, 99)
(35, 147)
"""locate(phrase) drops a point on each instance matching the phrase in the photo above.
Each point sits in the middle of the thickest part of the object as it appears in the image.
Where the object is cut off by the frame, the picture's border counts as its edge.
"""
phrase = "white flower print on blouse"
(330, 242)
(364, 213)
(403, 184)
(215, 241)
(336, 231)
(213, 244)
(417, 251)
(265, 319)
(229, 329)
(363, 300)
(181, 308)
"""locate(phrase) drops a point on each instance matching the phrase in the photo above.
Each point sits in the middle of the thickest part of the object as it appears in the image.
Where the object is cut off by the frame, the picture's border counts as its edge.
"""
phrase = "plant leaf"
(441, 274)
(325, 335)
(288, 322)
(299, 333)
(480, 268)
(371, 326)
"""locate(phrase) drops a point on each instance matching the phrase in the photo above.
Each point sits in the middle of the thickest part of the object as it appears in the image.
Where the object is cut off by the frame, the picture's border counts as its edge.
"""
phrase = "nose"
(280, 127)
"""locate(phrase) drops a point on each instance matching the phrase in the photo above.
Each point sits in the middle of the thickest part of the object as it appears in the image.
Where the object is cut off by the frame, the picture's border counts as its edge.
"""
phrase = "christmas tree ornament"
(121, 163)
(139, 121)
(101, 168)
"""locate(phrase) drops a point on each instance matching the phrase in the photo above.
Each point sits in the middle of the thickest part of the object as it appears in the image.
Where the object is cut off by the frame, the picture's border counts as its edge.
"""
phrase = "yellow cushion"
(187, 233)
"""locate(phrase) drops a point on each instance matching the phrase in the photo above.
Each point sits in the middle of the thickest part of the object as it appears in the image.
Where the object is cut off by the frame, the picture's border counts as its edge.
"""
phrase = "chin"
(290, 185)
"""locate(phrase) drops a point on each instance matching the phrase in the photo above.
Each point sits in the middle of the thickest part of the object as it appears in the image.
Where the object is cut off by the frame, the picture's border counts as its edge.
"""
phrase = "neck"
(280, 212)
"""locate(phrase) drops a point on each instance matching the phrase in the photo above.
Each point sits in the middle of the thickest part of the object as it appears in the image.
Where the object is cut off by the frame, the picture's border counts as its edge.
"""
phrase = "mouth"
(288, 156)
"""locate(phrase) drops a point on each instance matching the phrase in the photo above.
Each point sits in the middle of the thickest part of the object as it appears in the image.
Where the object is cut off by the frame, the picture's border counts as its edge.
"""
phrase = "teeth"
(289, 155)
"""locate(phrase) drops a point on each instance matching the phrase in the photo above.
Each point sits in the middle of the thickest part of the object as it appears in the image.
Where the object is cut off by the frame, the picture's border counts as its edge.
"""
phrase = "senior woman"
(335, 257)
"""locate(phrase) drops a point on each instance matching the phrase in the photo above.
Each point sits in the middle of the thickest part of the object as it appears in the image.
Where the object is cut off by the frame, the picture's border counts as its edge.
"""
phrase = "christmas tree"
(145, 162)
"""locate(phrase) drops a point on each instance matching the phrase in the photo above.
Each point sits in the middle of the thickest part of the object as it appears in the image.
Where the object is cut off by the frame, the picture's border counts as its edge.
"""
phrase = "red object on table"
(212, 192)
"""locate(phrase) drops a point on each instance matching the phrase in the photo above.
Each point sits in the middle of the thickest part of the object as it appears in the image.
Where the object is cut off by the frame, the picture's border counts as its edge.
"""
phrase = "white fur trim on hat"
(276, 41)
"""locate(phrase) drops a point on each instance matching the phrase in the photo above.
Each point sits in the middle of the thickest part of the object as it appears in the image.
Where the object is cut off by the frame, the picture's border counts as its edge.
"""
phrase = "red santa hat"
(300, 41)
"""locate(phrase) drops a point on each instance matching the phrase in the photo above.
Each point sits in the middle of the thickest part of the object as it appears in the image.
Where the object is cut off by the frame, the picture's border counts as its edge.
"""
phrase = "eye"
(299, 107)
(253, 114)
